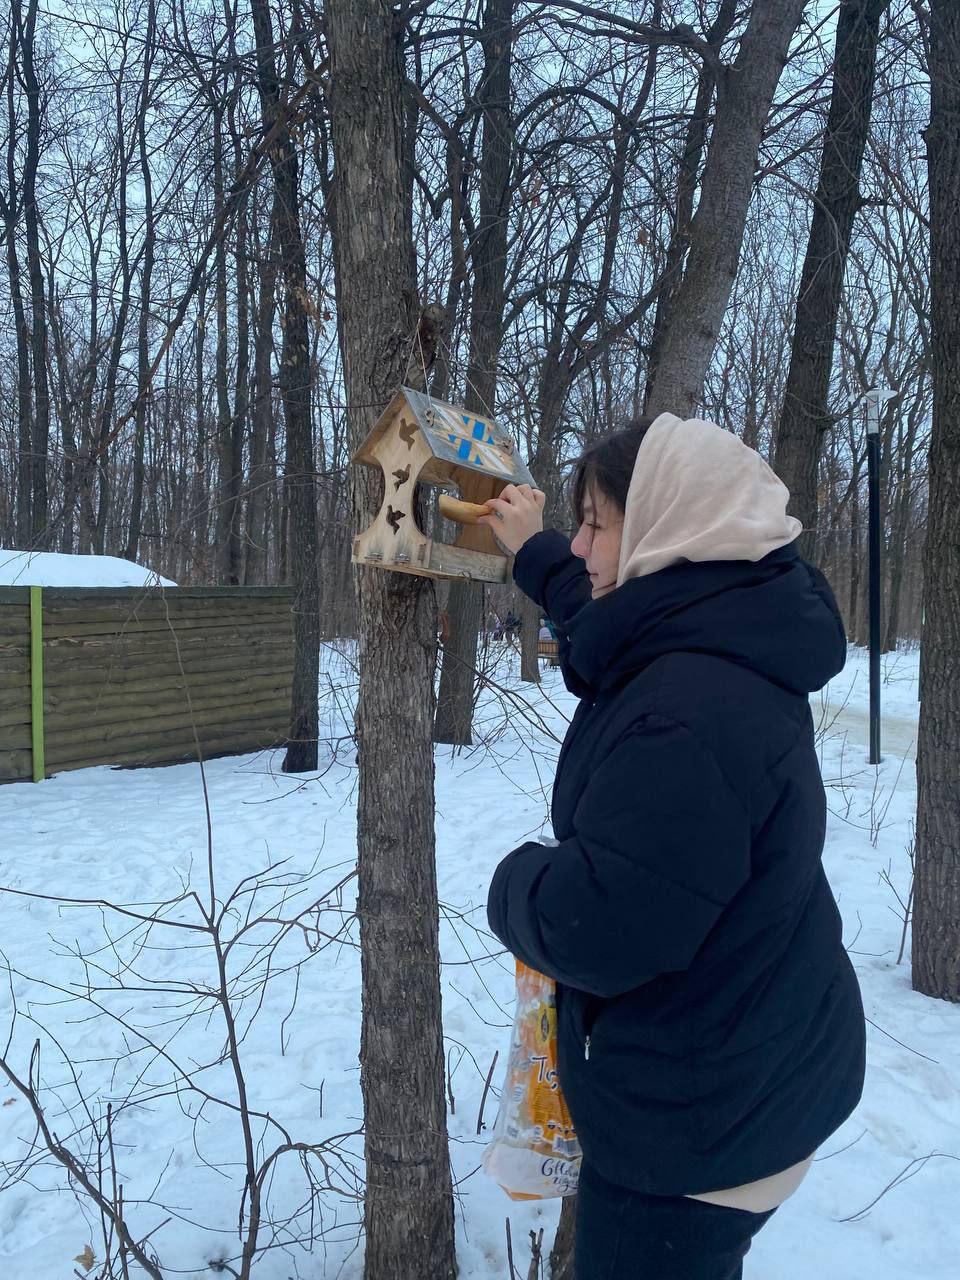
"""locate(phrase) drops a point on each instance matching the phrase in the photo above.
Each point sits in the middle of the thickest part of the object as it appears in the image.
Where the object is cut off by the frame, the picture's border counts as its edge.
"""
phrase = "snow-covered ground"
(54, 569)
(880, 1202)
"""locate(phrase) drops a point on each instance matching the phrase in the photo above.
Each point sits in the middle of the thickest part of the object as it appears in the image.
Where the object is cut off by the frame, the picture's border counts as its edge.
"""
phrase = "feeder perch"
(418, 440)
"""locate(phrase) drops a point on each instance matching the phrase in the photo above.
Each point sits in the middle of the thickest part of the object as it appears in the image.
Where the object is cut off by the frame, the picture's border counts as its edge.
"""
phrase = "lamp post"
(875, 398)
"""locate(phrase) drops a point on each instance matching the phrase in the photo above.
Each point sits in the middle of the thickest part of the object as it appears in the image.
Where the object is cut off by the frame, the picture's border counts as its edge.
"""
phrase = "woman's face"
(598, 541)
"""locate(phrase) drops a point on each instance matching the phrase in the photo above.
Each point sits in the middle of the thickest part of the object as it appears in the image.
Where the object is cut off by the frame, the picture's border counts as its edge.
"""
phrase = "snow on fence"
(129, 675)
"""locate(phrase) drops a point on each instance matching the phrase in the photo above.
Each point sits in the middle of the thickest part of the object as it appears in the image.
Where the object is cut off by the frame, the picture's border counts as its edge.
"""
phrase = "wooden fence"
(139, 675)
(549, 649)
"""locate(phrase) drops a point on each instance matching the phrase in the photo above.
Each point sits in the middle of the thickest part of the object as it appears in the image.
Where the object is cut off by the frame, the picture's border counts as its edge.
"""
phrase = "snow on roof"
(54, 569)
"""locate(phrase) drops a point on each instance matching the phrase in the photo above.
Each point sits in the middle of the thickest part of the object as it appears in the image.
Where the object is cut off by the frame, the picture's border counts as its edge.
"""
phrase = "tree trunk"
(26, 30)
(84, 466)
(454, 721)
(146, 276)
(805, 415)
(224, 427)
(63, 396)
(231, 563)
(11, 210)
(98, 462)
(295, 383)
(24, 398)
(936, 918)
(854, 551)
(562, 1253)
(233, 560)
(744, 94)
(529, 612)
(261, 415)
(687, 189)
(408, 1207)
(199, 497)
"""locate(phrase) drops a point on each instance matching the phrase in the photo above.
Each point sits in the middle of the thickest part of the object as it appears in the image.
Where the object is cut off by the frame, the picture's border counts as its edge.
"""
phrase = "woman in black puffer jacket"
(711, 1034)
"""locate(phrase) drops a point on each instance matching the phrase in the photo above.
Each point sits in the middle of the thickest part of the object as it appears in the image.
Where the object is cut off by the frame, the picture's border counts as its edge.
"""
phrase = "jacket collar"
(678, 608)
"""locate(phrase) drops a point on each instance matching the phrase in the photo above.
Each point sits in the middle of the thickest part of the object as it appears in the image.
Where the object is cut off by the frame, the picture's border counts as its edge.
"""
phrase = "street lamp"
(876, 397)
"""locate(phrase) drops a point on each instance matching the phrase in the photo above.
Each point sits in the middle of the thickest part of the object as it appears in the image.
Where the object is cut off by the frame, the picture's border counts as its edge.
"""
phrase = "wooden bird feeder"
(421, 440)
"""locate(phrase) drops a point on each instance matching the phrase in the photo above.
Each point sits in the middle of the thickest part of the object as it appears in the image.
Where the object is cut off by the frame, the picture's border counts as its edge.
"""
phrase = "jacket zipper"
(589, 1018)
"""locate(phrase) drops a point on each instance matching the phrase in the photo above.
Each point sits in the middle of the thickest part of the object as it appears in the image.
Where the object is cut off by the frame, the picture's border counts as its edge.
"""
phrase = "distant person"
(709, 1022)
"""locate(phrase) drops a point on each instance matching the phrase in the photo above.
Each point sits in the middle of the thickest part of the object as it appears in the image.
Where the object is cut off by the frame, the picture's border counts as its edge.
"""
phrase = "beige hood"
(699, 493)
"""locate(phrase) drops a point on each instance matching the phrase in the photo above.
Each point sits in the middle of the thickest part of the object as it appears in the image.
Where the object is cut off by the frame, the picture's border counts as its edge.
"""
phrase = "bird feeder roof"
(452, 435)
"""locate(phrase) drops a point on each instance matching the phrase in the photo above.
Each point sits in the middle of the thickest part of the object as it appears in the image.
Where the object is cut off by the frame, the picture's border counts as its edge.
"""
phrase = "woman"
(710, 1027)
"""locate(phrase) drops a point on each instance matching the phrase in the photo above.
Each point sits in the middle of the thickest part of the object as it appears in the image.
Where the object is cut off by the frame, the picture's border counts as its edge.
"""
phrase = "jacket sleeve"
(546, 570)
(661, 845)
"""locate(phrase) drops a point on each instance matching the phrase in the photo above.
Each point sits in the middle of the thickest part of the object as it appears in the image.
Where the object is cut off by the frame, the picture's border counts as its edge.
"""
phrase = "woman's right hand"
(516, 515)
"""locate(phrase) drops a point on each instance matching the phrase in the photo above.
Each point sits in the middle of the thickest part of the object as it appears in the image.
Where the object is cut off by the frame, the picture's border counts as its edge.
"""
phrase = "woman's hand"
(516, 515)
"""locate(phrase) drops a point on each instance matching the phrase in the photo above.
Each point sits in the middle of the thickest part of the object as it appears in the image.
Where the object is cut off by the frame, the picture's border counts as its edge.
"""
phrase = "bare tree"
(688, 181)
(408, 1209)
(261, 411)
(936, 918)
(489, 262)
(744, 93)
(11, 209)
(24, 39)
(146, 284)
(302, 750)
(805, 416)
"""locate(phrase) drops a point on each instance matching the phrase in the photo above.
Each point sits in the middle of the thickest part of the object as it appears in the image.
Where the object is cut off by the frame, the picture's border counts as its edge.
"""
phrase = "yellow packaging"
(534, 1152)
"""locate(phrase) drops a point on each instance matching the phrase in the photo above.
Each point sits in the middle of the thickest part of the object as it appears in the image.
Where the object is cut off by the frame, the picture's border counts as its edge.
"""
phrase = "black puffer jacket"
(710, 1025)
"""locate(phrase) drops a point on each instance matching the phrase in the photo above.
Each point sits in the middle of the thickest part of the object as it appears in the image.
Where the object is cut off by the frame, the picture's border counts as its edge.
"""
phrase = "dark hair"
(607, 465)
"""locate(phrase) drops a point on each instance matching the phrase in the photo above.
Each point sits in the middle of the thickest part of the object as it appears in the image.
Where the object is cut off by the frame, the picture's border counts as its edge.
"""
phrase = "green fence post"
(36, 682)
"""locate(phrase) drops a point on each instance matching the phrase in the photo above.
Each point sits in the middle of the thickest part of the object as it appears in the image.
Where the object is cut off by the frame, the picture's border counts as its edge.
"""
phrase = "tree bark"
(898, 549)
(146, 277)
(224, 425)
(26, 31)
(11, 210)
(936, 919)
(564, 1244)
(98, 460)
(261, 417)
(529, 612)
(454, 720)
(744, 94)
(805, 416)
(687, 189)
(233, 561)
(232, 419)
(295, 383)
(856, 554)
(408, 1207)
(199, 498)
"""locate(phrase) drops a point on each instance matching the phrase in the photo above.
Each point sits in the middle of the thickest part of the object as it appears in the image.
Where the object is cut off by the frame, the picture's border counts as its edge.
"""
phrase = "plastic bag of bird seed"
(534, 1152)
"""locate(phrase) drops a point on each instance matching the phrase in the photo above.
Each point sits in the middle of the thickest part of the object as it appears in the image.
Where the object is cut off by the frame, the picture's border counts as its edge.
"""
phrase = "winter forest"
(154, 266)
(230, 232)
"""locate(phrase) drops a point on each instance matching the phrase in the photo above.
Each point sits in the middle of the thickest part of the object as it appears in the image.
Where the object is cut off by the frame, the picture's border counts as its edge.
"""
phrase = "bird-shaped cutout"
(407, 432)
(402, 477)
(394, 518)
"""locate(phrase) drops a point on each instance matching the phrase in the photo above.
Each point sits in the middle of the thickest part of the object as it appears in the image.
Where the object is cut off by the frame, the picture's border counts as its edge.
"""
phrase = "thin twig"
(486, 1090)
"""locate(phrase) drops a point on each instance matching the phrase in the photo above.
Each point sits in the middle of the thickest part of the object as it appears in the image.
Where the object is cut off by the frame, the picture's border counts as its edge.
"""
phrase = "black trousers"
(626, 1235)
